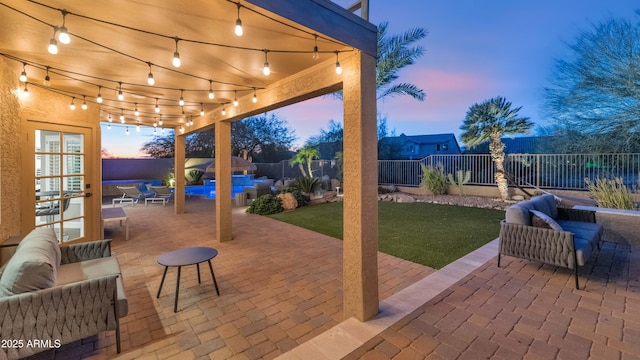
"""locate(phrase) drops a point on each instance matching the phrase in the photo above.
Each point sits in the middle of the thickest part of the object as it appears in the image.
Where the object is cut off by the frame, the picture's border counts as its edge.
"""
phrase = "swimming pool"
(238, 184)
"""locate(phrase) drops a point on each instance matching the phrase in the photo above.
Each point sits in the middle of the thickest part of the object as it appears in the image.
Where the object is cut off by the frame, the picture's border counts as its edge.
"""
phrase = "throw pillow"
(540, 219)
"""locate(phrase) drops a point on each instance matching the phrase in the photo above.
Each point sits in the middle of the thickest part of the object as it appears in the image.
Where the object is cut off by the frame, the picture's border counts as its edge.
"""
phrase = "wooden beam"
(329, 19)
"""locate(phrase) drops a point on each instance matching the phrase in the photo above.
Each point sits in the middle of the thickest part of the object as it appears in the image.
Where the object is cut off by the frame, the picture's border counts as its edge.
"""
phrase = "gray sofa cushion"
(34, 264)
(538, 218)
(519, 213)
(92, 269)
(574, 226)
(583, 252)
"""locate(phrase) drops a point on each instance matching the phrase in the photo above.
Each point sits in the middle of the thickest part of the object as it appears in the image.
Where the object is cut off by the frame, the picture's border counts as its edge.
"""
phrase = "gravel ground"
(465, 200)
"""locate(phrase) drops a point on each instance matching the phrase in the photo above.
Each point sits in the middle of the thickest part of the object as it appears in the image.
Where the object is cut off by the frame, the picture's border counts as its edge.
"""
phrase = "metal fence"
(282, 169)
(551, 171)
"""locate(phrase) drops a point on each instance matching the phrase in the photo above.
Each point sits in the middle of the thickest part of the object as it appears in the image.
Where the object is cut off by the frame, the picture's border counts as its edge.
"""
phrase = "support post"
(360, 263)
(223, 181)
(178, 168)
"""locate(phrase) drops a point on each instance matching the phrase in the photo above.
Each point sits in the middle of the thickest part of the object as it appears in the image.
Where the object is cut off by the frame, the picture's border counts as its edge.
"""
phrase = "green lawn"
(429, 234)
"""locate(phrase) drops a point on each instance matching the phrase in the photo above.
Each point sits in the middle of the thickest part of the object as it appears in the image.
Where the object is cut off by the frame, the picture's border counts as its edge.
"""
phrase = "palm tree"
(305, 156)
(489, 121)
(394, 53)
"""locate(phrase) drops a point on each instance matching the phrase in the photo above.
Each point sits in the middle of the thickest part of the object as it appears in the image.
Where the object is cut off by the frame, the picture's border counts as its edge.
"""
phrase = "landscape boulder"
(289, 202)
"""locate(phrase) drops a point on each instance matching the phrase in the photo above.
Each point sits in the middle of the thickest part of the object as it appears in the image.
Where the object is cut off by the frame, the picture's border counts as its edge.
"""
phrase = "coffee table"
(185, 257)
(115, 214)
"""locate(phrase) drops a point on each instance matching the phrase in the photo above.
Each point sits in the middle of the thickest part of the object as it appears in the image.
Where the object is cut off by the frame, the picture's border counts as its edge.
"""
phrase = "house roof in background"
(425, 139)
(521, 145)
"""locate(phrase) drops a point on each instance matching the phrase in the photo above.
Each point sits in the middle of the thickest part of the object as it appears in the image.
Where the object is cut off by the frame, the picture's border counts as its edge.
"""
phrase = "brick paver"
(280, 285)
(530, 311)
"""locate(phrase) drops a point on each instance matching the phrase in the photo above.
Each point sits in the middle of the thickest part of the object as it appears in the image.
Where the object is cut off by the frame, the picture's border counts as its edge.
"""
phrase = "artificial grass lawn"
(429, 234)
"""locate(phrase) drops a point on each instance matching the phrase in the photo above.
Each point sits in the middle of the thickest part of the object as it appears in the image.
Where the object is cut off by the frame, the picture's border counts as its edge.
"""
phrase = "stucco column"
(360, 268)
(223, 180)
(178, 171)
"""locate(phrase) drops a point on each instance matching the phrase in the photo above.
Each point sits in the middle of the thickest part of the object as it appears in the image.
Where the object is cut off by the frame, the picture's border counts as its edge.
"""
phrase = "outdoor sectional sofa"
(52, 295)
(538, 230)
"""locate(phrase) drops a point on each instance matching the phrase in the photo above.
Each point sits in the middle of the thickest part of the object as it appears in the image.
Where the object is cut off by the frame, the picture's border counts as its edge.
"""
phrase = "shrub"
(434, 179)
(195, 175)
(266, 205)
(462, 177)
(611, 193)
(297, 193)
(306, 184)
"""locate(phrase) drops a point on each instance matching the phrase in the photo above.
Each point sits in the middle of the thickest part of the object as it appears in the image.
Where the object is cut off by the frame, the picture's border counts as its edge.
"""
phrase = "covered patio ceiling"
(115, 45)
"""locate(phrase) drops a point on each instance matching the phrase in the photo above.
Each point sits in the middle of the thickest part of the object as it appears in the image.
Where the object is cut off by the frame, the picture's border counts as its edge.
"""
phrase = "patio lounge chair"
(131, 194)
(161, 194)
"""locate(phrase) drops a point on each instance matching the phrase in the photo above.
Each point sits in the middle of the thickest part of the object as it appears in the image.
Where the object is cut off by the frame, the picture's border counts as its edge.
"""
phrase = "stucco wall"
(9, 153)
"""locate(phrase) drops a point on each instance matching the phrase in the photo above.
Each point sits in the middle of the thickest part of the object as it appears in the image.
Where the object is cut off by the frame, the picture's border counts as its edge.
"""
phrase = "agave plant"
(306, 184)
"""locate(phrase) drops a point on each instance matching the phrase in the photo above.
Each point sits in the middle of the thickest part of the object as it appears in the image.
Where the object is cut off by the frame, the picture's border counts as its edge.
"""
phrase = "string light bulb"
(110, 118)
(160, 121)
(191, 121)
(63, 36)
(47, 80)
(181, 129)
(238, 28)
(265, 70)
(157, 108)
(136, 112)
(162, 130)
(120, 94)
(224, 112)
(53, 44)
(137, 127)
(211, 95)
(181, 102)
(127, 131)
(122, 116)
(316, 54)
(155, 131)
(109, 126)
(176, 55)
(25, 91)
(235, 98)
(338, 67)
(255, 96)
(201, 109)
(23, 74)
(99, 97)
(84, 102)
(150, 79)
(72, 106)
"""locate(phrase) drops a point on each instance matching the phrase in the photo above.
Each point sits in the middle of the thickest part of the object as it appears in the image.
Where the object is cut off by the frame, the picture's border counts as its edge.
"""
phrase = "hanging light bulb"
(155, 124)
(338, 67)
(181, 129)
(84, 102)
(136, 112)
(176, 55)
(23, 74)
(63, 36)
(109, 126)
(224, 112)
(110, 118)
(157, 108)
(47, 79)
(315, 55)
(137, 127)
(99, 97)
(211, 95)
(25, 91)
(127, 131)
(255, 97)
(201, 109)
(155, 131)
(122, 116)
(265, 70)
(235, 98)
(53, 44)
(181, 102)
(191, 121)
(162, 130)
(120, 94)
(238, 28)
(160, 121)
(150, 79)
(72, 106)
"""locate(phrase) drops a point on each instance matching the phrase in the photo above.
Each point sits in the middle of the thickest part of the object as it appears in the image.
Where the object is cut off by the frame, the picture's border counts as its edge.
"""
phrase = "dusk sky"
(475, 50)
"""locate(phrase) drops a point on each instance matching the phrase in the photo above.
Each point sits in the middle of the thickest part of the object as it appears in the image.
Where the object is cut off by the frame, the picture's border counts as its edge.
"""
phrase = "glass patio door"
(60, 180)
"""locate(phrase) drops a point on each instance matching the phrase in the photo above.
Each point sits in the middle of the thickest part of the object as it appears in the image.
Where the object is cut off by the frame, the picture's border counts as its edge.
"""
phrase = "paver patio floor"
(281, 287)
